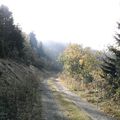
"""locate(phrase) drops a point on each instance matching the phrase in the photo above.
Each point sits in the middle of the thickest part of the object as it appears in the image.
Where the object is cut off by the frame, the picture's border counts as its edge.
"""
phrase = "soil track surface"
(51, 111)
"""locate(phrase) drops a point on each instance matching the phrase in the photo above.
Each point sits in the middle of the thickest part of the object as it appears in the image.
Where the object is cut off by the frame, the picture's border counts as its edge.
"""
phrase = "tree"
(40, 50)
(71, 59)
(16, 43)
(82, 64)
(91, 59)
(11, 39)
(111, 67)
(33, 41)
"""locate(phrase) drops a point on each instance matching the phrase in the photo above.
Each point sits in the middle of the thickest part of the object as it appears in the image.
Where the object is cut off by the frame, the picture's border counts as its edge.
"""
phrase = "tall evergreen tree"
(40, 50)
(111, 66)
(11, 39)
(33, 40)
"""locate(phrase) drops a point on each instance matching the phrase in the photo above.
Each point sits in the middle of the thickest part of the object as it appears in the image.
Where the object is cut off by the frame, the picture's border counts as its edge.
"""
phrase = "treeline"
(19, 80)
(93, 70)
(53, 49)
(17, 45)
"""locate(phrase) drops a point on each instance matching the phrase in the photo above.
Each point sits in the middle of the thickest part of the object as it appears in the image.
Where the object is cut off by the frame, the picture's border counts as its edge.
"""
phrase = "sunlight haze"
(91, 23)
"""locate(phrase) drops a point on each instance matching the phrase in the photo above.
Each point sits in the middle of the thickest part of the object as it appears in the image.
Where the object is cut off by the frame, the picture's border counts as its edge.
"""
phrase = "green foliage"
(18, 91)
(11, 39)
(111, 68)
(71, 59)
(17, 45)
(80, 63)
(33, 41)
(118, 93)
(40, 50)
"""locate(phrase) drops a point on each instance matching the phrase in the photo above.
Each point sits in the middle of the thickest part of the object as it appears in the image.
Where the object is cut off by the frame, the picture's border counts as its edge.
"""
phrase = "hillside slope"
(19, 91)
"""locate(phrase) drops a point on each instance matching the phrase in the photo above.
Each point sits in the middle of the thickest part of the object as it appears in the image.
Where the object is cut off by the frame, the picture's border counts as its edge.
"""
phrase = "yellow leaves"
(78, 60)
(72, 52)
(81, 61)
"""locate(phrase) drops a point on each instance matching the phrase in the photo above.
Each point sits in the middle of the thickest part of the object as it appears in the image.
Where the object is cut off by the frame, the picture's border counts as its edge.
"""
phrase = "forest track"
(51, 109)
(90, 109)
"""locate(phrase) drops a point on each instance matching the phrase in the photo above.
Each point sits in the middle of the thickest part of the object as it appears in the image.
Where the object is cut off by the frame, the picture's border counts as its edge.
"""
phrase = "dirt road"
(51, 111)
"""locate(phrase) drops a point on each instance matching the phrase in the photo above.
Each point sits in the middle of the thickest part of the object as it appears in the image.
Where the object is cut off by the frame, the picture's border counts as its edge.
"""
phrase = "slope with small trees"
(22, 65)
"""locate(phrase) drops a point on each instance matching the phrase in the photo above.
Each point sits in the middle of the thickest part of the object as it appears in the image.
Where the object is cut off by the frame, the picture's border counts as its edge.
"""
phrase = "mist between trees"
(84, 68)
(19, 80)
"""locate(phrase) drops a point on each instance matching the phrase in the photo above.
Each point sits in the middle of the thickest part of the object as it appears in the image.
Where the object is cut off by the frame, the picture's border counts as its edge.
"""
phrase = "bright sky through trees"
(88, 22)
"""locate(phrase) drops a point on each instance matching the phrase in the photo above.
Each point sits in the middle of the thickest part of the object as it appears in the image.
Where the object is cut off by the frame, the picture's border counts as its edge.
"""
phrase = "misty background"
(90, 23)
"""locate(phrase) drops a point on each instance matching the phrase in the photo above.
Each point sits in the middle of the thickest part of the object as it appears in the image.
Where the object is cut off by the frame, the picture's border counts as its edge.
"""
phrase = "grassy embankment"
(20, 96)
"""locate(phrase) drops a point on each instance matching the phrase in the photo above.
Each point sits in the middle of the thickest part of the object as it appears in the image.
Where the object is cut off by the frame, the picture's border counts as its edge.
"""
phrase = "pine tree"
(33, 40)
(111, 66)
(11, 39)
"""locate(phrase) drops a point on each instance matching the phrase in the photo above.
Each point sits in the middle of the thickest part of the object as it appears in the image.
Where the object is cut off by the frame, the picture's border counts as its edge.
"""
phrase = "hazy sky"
(88, 22)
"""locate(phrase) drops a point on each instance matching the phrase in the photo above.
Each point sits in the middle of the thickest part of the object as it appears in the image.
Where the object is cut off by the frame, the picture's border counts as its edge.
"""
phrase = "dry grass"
(109, 107)
(19, 96)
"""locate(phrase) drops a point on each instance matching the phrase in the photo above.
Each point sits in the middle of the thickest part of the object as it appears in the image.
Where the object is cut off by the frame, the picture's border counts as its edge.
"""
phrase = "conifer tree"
(11, 39)
(111, 66)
